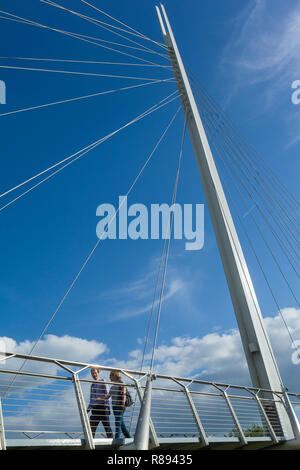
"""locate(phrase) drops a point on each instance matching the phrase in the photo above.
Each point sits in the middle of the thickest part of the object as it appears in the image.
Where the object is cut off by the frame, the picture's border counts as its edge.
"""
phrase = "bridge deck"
(122, 444)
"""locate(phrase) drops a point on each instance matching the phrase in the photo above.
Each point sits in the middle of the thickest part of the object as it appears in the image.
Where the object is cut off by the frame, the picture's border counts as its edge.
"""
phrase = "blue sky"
(247, 56)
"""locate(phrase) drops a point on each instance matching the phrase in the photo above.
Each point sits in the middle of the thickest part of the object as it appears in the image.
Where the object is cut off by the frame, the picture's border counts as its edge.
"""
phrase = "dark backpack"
(129, 400)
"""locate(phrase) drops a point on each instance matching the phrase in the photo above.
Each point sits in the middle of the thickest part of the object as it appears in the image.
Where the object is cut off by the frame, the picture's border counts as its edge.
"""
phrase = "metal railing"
(295, 401)
(47, 398)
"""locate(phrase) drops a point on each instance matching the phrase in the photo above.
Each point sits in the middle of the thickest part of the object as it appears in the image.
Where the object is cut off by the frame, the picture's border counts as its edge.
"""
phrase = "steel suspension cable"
(279, 221)
(241, 155)
(267, 188)
(70, 72)
(242, 139)
(39, 59)
(81, 98)
(90, 20)
(149, 325)
(135, 32)
(283, 248)
(234, 205)
(252, 293)
(19, 19)
(258, 158)
(98, 23)
(82, 152)
(79, 35)
(87, 259)
(90, 145)
(286, 196)
(264, 238)
(287, 250)
(231, 171)
(167, 250)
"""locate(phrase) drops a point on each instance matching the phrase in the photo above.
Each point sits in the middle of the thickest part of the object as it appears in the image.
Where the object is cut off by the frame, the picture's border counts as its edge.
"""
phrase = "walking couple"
(99, 404)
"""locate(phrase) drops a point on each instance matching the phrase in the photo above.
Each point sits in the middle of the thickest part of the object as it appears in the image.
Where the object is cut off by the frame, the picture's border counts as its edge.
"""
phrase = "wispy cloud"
(265, 44)
(138, 295)
(136, 288)
(264, 50)
(176, 286)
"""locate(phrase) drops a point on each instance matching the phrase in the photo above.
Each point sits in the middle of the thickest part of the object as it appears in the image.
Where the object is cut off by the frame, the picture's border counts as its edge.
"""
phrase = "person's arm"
(108, 395)
(105, 396)
(101, 392)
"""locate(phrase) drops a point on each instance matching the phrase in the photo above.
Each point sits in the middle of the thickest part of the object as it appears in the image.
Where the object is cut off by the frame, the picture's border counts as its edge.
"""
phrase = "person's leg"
(117, 412)
(94, 420)
(123, 425)
(106, 423)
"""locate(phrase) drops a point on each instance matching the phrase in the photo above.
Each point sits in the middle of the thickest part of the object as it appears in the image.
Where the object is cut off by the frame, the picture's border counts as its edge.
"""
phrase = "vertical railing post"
(292, 415)
(88, 437)
(268, 422)
(200, 427)
(89, 442)
(2, 433)
(242, 436)
(202, 433)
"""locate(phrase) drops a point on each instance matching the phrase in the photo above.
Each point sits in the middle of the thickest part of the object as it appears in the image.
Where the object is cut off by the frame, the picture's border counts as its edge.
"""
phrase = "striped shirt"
(98, 390)
(116, 392)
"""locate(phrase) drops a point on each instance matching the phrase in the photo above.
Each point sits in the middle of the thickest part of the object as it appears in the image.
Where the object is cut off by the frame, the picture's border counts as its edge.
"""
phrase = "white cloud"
(59, 347)
(43, 403)
(264, 50)
(217, 356)
(62, 347)
(71, 348)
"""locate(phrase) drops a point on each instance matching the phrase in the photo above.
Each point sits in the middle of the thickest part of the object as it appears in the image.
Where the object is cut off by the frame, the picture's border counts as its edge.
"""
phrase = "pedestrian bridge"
(44, 401)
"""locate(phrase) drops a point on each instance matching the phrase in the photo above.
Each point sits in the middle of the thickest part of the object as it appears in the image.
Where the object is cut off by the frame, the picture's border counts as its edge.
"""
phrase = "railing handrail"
(57, 362)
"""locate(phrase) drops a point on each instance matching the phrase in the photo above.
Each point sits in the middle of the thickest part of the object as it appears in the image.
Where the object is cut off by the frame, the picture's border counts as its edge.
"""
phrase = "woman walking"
(118, 397)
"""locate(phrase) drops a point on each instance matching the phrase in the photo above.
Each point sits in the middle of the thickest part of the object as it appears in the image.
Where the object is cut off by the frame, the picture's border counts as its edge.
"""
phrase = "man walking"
(99, 406)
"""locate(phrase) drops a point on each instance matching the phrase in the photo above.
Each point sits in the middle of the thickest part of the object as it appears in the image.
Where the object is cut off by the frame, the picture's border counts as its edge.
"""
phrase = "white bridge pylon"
(260, 358)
